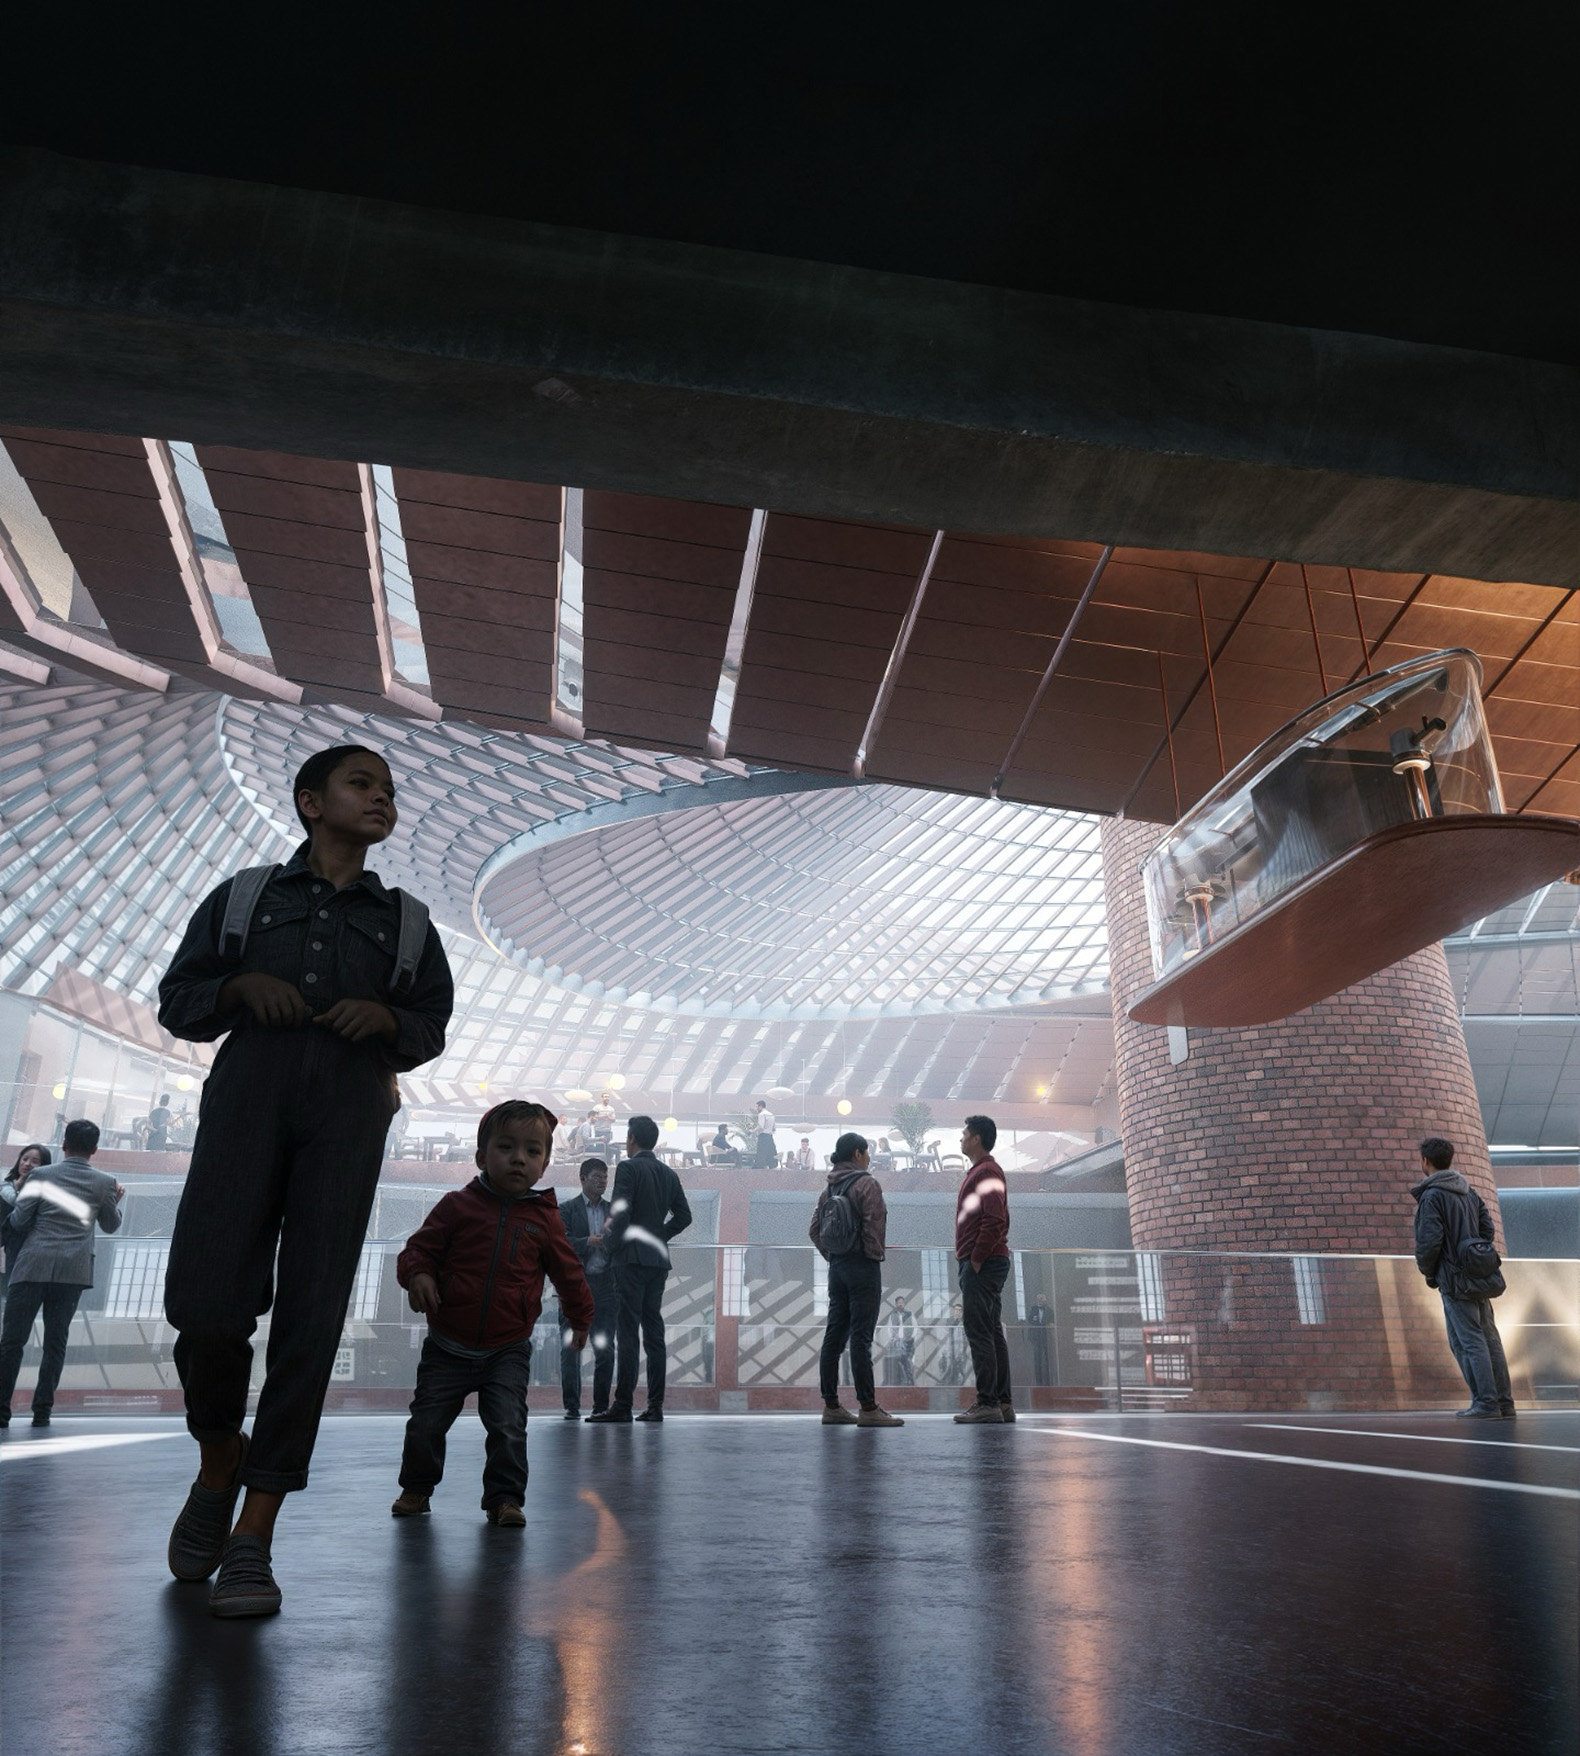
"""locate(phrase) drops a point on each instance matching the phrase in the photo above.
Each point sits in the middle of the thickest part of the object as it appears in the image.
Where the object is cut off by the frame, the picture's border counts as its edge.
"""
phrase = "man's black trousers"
(444, 1381)
(641, 1307)
(981, 1313)
(23, 1303)
(606, 1312)
(855, 1290)
(289, 1144)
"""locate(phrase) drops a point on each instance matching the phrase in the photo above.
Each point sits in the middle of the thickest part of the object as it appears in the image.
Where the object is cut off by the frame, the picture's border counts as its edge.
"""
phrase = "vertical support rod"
(1048, 675)
(1316, 639)
(1168, 733)
(1212, 686)
(1360, 625)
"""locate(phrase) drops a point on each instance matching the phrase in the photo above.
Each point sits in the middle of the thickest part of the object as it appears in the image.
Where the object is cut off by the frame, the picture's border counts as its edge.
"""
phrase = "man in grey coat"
(52, 1231)
(1447, 1212)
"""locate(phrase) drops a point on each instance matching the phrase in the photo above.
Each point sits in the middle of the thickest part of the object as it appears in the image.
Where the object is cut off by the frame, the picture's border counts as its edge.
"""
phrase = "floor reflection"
(216, 1689)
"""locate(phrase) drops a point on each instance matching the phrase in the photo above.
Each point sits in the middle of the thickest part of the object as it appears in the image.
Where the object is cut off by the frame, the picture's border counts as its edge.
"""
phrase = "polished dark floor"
(765, 1584)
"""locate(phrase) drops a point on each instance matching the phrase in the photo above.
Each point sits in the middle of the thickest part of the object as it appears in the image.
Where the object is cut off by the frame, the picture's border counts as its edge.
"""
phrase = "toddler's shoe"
(507, 1515)
(410, 1505)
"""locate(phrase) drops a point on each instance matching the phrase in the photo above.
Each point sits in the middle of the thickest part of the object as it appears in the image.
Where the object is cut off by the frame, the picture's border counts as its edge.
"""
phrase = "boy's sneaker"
(614, 1415)
(1006, 1410)
(979, 1412)
(835, 1415)
(878, 1417)
(573, 1414)
(653, 1412)
(245, 1586)
(41, 1417)
(197, 1538)
(507, 1515)
(409, 1505)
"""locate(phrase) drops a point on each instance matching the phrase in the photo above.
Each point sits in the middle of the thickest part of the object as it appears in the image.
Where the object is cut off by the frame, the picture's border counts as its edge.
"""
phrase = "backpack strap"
(245, 889)
(410, 941)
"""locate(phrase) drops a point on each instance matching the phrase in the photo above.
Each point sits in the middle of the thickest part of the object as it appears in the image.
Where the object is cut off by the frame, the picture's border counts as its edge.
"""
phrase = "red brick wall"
(1299, 1136)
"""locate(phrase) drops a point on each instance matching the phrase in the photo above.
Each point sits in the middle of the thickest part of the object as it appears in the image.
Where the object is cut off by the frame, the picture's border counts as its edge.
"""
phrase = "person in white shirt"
(767, 1157)
(803, 1155)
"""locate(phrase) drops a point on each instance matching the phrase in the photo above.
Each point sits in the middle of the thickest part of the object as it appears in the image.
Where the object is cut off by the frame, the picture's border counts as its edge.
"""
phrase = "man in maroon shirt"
(982, 1250)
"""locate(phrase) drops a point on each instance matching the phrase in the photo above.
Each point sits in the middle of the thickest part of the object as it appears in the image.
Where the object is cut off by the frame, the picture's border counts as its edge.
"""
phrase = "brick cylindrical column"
(1300, 1136)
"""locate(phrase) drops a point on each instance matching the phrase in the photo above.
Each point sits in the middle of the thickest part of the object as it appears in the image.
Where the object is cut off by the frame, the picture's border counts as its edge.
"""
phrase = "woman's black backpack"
(839, 1230)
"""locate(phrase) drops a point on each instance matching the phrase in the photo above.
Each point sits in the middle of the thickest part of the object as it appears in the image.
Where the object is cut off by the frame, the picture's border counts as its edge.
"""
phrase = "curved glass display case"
(1312, 849)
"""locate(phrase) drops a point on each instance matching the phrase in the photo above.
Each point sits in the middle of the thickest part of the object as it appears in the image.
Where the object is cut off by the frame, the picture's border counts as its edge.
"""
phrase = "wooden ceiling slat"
(484, 562)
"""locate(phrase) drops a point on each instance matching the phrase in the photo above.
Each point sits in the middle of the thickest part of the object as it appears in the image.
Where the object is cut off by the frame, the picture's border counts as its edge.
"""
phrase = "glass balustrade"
(1087, 1328)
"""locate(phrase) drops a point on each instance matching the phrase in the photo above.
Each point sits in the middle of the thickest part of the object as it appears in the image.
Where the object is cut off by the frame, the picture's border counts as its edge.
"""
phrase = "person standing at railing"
(848, 1229)
(586, 1219)
(899, 1344)
(52, 1235)
(648, 1209)
(28, 1160)
(1453, 1229)
(1037, 1319)
(766, 1156)
(982, 1251)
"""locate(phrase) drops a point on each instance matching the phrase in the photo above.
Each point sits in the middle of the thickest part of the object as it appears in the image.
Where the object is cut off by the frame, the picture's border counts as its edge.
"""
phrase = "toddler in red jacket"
(475, 1266)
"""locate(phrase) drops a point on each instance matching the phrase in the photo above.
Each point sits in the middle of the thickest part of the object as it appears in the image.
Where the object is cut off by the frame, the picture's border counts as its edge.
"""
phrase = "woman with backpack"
(847, 1231)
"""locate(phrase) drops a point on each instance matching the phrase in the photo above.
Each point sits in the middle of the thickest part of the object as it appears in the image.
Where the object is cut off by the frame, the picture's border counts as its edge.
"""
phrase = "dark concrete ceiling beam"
(151, 302)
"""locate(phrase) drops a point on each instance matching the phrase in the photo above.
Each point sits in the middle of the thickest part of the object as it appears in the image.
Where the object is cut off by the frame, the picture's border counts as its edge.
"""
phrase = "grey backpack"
(242, 903)
(839, 1230)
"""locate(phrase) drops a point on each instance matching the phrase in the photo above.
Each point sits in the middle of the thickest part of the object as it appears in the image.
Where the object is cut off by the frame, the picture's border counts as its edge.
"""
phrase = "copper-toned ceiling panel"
(830, 598)
(104, 508)
(281, 511)
(659, 585)
(484, 557)
(1130, 719)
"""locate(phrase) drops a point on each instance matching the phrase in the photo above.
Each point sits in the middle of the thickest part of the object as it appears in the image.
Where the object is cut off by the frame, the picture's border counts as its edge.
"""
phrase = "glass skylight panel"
(227, 590)
(400, 600)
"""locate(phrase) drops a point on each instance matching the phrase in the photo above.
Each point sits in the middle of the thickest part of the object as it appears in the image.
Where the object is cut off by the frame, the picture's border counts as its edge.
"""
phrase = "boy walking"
(476, 1267)
(982, 1251)
(328, 985)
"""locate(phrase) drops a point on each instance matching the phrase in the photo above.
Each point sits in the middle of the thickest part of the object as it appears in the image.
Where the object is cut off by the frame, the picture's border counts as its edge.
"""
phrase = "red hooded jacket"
(489, 1256)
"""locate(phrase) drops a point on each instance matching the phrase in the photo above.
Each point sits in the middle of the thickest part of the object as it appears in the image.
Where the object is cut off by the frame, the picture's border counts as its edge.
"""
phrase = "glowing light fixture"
(670, 1124)
(617, 1082)
(578, 1096)
(780, 1091)
(185, 1082)
(58, 1090)
(844, 1106)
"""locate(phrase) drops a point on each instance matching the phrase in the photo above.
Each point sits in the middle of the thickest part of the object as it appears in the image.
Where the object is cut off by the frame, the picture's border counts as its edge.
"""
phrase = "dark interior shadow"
(216, 1691)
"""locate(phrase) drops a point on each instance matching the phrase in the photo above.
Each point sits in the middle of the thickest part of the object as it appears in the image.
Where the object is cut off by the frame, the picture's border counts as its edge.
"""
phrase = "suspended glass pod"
(1364, 830)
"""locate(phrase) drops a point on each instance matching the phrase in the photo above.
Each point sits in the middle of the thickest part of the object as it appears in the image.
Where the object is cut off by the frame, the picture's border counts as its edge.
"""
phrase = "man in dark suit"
(586, 1221)
(649, 1208)
(52, 1264)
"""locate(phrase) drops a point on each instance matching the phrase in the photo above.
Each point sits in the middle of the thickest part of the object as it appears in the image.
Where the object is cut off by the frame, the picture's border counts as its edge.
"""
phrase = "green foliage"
(912, 1122)
(744, 1128)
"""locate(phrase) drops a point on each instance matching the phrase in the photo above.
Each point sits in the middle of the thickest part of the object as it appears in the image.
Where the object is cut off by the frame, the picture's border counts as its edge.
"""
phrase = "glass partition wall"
(1092, 1329)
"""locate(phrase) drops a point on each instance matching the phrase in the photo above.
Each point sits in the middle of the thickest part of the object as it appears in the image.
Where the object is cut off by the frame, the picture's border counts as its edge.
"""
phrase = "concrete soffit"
(135, 301)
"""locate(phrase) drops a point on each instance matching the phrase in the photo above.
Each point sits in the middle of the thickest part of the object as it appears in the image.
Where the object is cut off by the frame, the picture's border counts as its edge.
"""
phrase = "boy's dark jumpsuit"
(289, 1145)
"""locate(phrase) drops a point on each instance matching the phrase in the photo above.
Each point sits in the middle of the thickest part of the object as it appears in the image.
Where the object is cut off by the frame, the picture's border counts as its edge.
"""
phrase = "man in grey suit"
(52, 1230)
